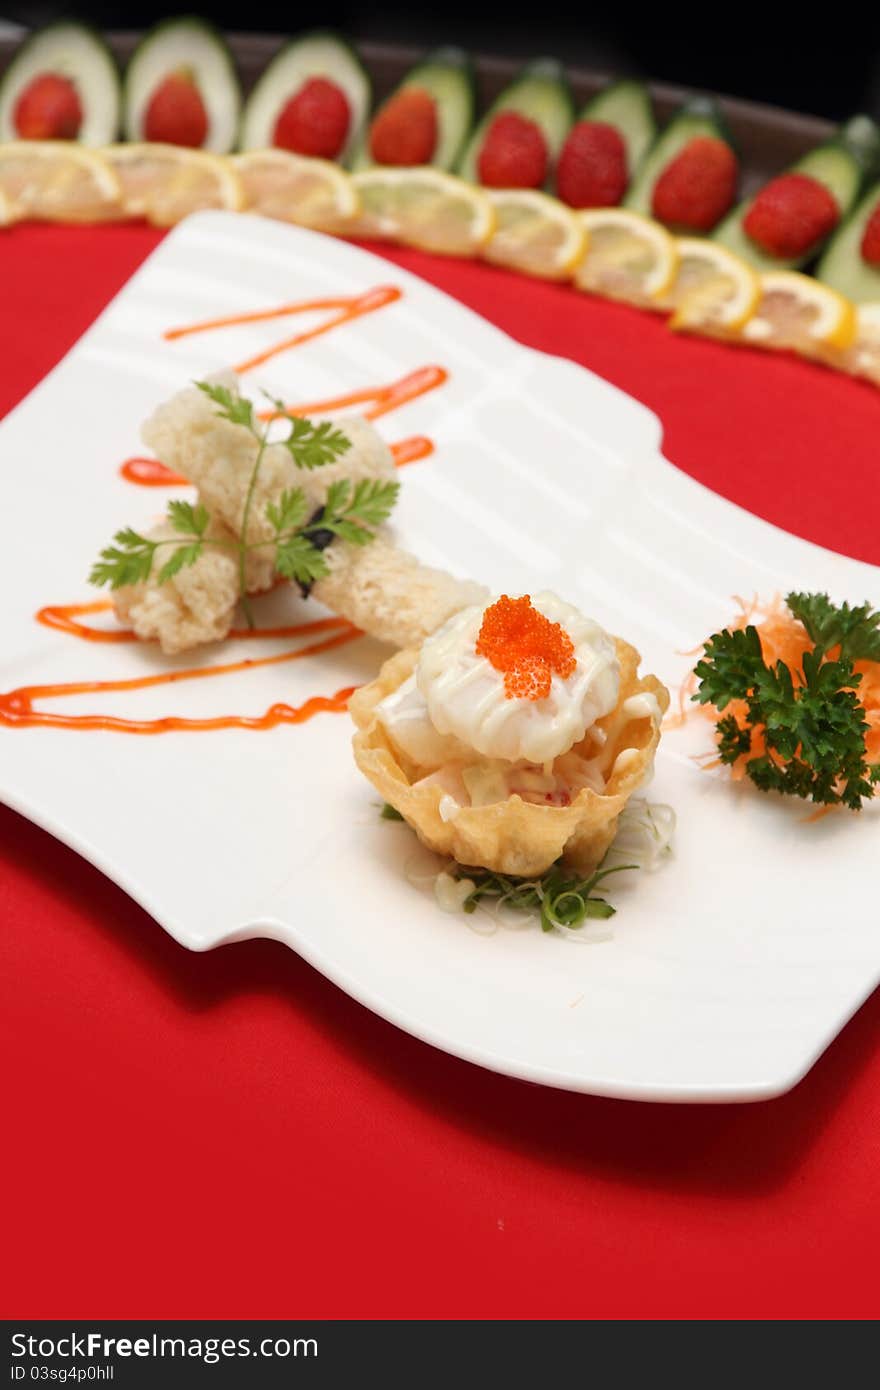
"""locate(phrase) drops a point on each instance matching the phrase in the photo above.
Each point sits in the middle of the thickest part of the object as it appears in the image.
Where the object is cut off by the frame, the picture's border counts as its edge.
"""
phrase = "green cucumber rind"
(275, 62)
(37, 36)
(627, 106)
(32, 39)
(544, 74)
(442, 67)
(842, 266)
(850, 154)
(701, 116)
(147, 43)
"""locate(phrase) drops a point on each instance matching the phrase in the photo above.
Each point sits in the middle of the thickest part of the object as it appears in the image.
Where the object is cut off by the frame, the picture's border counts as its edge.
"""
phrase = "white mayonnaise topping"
(465, 700)
(404, 716)
(643, 706)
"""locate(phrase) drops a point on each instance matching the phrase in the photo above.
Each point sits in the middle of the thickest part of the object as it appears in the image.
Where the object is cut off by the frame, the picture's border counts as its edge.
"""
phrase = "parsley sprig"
(350, 511)
(813, 726)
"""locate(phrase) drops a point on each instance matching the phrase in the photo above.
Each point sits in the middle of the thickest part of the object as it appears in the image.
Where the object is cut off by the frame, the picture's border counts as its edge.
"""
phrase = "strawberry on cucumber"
(605, 145)
(518, 141)
(62, 84)
(851, 262)
(427, 117)
(785, 225)
(181, 87)
(688, 178)
(312, 99)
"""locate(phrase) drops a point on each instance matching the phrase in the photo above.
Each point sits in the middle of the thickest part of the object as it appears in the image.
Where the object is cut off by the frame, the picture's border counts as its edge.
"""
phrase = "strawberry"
(48, 109)
(592, 169)
(514, 153)
(315, 120)
(871, 239)
(791, 214)
(405, 130)
(696, 188)
(175, 113)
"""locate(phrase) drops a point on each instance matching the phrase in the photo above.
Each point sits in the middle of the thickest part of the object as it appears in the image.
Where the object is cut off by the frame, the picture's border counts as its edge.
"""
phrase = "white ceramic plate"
(729, 970)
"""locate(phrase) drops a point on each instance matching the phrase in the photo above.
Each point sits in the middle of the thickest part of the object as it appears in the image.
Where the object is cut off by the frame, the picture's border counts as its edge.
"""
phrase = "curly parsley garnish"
(350, 512)
(807, 723)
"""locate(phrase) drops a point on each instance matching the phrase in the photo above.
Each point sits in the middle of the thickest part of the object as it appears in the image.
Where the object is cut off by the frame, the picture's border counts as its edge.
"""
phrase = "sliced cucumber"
(841, 164)
(843, 267)
(626, 105)
(448, 76)
(77, 53)
(313, 55)
(197, 47)
(702, 116)
(540, 93)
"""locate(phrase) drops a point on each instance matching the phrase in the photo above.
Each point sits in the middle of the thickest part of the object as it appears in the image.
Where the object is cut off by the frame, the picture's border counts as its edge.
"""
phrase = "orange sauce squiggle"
(418, 446)
(151, 473)
(340, 310)
(17, 706)
(379, 400)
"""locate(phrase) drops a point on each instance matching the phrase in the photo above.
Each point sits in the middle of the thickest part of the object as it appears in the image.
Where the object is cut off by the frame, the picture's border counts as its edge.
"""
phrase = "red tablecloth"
(229, 1135)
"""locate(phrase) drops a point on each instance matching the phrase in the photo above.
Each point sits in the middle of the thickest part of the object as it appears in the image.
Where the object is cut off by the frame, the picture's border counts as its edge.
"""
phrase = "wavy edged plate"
(730, 969)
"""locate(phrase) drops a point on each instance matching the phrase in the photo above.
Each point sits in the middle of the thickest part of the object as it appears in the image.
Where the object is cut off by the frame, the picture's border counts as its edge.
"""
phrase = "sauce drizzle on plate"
(18, 707)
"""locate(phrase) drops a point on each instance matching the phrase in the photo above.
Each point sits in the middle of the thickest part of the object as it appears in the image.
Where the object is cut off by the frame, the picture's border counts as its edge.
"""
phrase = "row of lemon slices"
(609, 251)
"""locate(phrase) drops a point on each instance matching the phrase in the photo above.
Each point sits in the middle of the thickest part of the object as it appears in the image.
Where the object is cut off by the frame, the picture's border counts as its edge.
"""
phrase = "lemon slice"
(311, 192)
(57, 181)
(863, 357)
(713, 287)
(802, 314)
(166, 182)
(534, 233)
(7, 214)
(424, 207)
(628, 257)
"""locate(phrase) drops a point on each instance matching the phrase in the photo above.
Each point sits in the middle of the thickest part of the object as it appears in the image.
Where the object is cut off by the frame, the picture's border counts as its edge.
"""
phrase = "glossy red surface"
(229, 1135)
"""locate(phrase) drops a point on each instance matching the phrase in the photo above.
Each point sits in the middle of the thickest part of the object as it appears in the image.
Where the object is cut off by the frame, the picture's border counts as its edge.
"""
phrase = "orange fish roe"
(518, 640)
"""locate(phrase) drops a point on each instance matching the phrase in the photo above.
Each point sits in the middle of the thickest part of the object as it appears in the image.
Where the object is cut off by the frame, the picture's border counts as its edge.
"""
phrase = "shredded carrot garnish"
(784, 638)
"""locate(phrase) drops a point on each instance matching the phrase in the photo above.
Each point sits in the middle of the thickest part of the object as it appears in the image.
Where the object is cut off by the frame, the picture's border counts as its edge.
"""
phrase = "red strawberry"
(697, 188)
(315, 120)
(48, 109)
(514, 153)
(405, 130)
(871, 239)
(175, 113)
(791, 214)
(592, 169)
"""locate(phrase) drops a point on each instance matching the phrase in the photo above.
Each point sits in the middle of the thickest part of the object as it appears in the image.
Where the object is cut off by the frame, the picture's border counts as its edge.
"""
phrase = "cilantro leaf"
(129, 561)
(297, 559)
(289, 512)
(374, 500)
(337, 497)
(233, 407)
(180, 558)
(313, 446)
(192, 521)
(350, 512)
